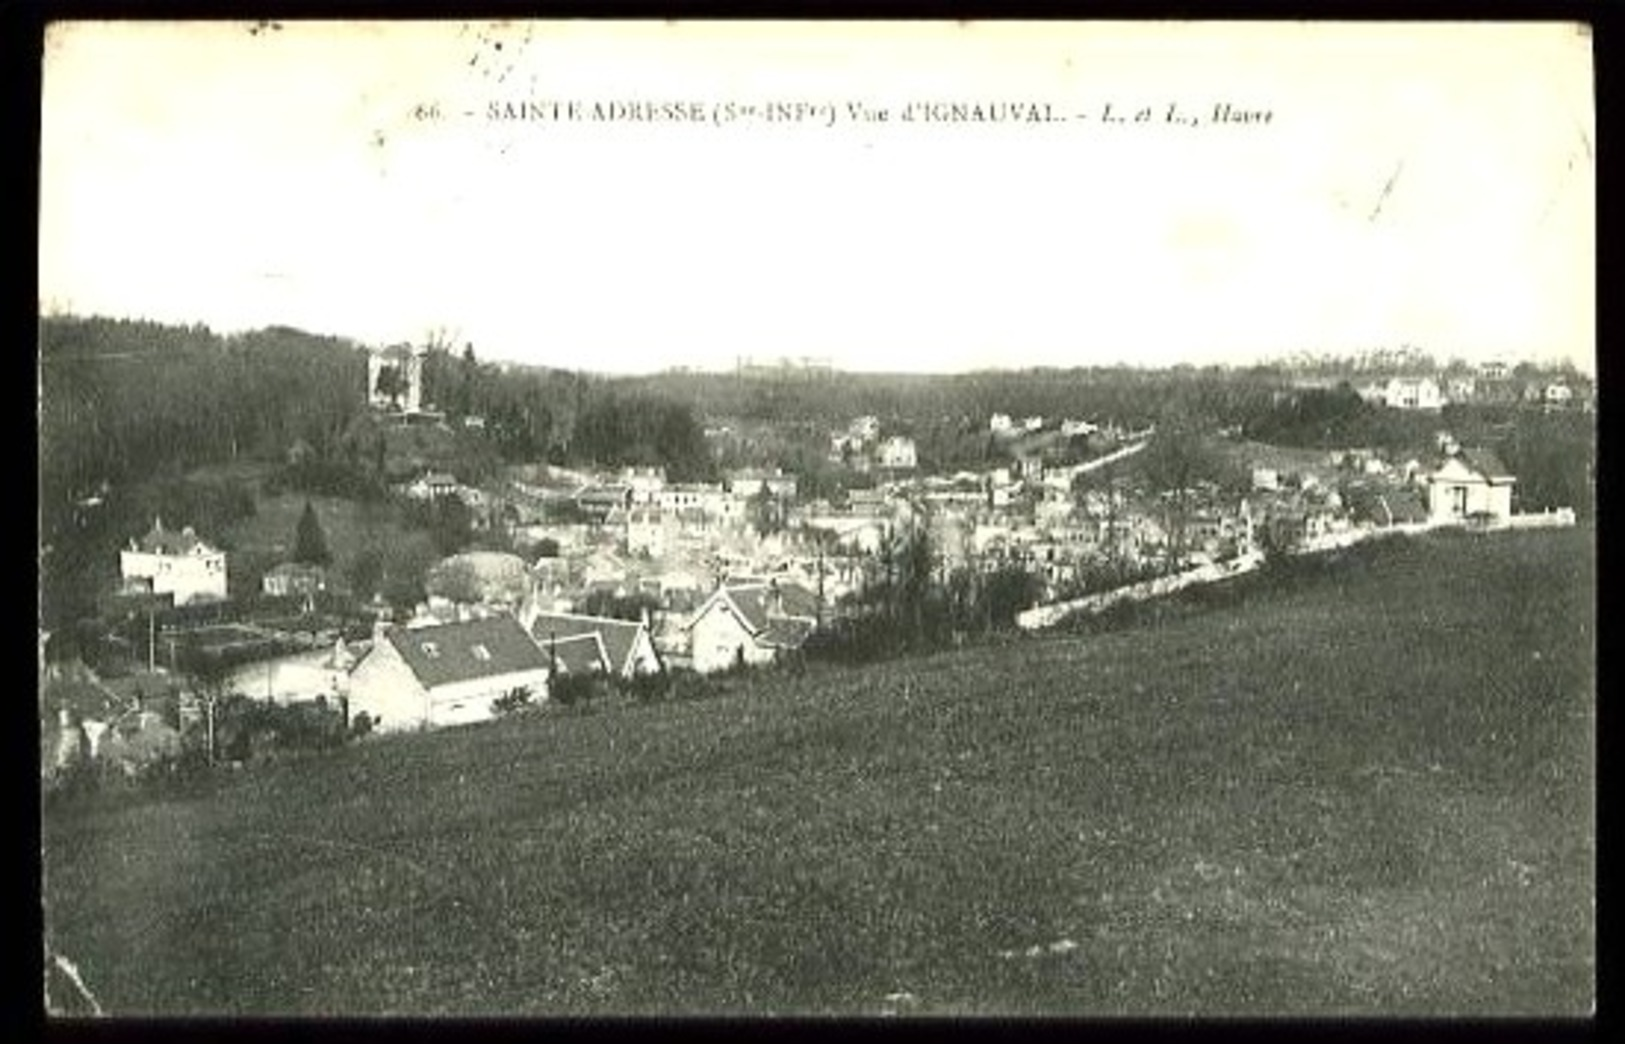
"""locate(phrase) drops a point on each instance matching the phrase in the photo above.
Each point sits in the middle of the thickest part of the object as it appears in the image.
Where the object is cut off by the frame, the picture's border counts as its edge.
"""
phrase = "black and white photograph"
(894, 521)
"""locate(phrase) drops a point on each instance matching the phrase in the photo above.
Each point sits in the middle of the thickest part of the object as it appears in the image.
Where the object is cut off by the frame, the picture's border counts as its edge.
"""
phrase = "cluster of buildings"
(1492, 384)
(745, 570)
(861, 446)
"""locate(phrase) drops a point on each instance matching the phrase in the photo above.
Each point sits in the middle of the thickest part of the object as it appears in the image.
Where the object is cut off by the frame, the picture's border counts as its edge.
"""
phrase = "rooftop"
(462, 651)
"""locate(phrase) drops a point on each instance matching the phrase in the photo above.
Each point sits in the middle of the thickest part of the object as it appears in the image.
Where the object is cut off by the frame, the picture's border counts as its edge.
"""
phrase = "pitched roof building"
(445, 674)
(178, 563)
(625, 648)
(1472, 484)
(749, 622)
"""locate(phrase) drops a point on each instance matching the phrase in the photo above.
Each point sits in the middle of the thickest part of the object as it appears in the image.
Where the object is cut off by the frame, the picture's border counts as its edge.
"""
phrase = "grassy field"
(267, 538)
(1368, 794)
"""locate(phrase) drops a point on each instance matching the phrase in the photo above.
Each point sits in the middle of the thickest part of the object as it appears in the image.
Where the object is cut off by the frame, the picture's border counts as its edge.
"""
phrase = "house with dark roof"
(1471, 485)
(448, 673)
(751, 622)
(622, 647)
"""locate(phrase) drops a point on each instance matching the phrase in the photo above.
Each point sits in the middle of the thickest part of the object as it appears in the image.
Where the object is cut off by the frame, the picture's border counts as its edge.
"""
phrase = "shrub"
(514, 701)
(568, 691)
(361, 725)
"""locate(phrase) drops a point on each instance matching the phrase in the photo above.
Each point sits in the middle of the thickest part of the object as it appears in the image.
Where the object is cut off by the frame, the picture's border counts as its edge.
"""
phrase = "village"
(623, 575)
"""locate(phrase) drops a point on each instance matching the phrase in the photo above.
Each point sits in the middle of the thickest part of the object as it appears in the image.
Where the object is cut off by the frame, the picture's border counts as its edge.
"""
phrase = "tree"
(765, 512)
(310, 542)
(392, 384)
(451, 525)
(1176, 462)
(366, 572)
(457, 580)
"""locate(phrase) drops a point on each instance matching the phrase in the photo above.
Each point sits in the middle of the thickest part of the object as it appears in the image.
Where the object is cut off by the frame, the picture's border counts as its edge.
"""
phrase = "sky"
(1429, 185)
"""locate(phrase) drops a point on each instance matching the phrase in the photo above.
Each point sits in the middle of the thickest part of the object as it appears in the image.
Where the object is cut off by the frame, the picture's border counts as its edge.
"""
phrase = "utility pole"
(152, 641)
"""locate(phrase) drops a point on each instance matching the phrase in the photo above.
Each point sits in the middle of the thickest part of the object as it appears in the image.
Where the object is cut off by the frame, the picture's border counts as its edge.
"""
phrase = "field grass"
(1371, 793)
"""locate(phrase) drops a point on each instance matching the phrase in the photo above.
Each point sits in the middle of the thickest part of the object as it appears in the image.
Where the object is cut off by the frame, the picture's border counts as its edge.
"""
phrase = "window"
(431, 649)
(1458, 501)
(481, 652)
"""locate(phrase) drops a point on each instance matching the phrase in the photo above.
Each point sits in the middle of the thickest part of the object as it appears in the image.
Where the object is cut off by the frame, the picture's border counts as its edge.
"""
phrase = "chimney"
(379, 628)
(775, 598)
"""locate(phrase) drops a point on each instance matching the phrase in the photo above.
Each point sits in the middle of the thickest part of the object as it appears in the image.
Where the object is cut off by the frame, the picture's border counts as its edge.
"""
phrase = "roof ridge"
(590, 618)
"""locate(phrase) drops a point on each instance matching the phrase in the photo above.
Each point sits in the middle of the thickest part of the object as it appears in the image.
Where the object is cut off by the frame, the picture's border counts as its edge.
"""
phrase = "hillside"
(1370, 792)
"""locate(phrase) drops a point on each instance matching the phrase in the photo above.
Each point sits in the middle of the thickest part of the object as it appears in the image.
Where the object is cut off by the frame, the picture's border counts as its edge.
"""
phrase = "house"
(1558, 393)
(898, 453)
(625, 648)
(432, 485)
(751, 623)
(294, 580)
(646, 531)
(434, 676)
(1471, 485)
(1383, 505)
(599, 499)
(678, 497)
(174, 562)
(1460, 389)
(646, 482)
(749, 483)
(1415, 394)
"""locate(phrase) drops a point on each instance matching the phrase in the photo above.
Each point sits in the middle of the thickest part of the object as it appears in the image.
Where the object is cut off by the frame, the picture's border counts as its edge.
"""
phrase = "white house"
(646, 531)
(677, 497)
(1472, 483)
(898, 453)
(174, 562)
(434, 676)
(750, 623)
(1416, 394)
(294, 580)
(625, 648)
(646, 482)
(433, 485)
(748, 483)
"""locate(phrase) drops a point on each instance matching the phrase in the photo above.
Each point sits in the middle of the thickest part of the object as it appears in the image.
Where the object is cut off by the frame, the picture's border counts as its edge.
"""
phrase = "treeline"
(1129, 396)
(127, 399)
(537, 414)
(912, 606)
(122, 399)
